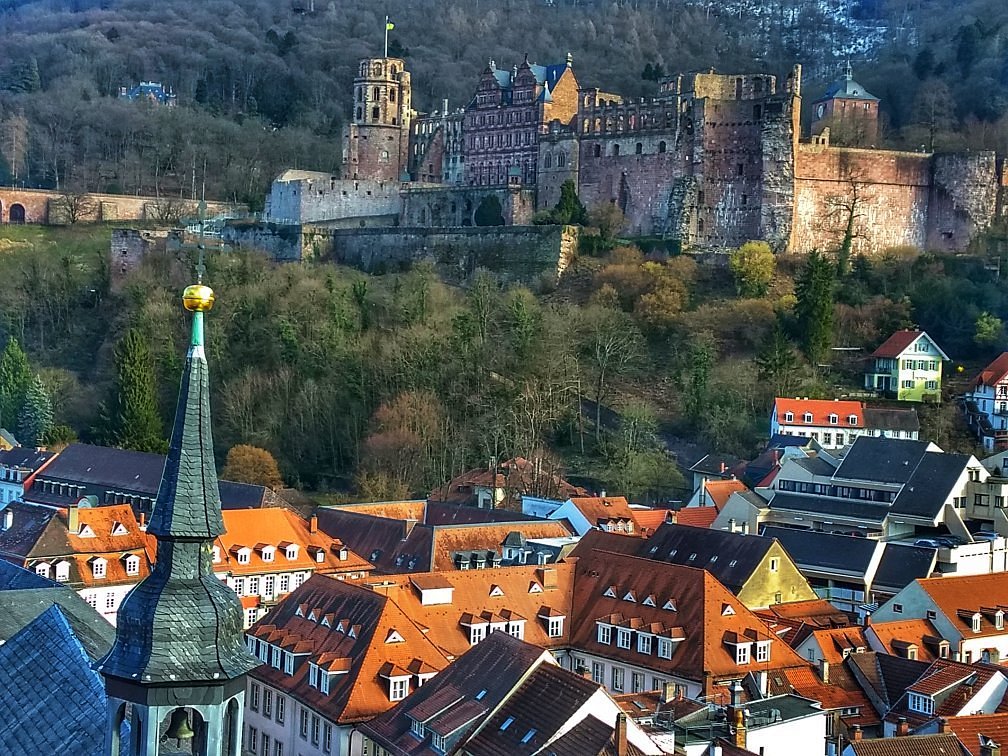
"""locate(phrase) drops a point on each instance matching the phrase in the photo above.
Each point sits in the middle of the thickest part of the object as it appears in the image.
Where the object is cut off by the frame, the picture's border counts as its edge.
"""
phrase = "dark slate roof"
(824, 550)
(884, 678)
(444, 513)
(19, 607)
(29, 522)
(824, 505)
(102, 468)
(930, 485)
(380, 540)
(730, 557)
(848, 89)
(491, 670)
(785, 440)
(181, 624)
(25, 457)
(892, 418)
(15, 578)
(815, 465)
(880, 459)
(901, 565)
(542, 705)
(53, 702)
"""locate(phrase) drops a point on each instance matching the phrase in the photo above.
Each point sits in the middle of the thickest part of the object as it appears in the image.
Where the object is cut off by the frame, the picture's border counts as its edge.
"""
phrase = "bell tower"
(177, 667)
(376, 143)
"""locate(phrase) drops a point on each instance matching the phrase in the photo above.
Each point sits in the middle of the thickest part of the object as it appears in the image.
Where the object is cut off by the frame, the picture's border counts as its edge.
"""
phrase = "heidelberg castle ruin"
(711, 162)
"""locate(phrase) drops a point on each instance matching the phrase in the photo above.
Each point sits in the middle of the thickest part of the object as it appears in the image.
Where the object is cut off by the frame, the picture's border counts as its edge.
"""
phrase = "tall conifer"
(132, 417)
(15, 377)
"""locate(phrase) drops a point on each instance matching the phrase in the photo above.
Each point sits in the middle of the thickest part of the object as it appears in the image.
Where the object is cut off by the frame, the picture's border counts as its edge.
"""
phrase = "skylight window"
(528, 736)
(506, 723)
(481, 695)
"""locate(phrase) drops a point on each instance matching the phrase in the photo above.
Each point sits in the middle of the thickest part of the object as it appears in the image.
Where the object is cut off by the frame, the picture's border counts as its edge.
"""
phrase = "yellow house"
(907, 367)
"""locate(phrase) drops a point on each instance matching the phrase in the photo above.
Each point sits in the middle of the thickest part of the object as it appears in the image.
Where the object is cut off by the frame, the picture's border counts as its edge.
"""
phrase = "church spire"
(179, 654)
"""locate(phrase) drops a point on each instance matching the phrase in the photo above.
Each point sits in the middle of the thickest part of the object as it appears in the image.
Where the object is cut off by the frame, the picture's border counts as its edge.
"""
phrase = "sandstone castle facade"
(712, 161)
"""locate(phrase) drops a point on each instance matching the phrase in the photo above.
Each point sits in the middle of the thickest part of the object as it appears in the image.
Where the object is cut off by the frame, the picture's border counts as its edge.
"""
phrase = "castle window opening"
(639, 148)
(597, 151)
(745, 199)
(615, 150)
(360, 113)
(662, 146)
(561, 160)
(374, 113)
(738, 89)
(758, 86)
(391, 95)
(548, 161)
(741, 169)
(757, 112)
(360, 95)
(699, 225)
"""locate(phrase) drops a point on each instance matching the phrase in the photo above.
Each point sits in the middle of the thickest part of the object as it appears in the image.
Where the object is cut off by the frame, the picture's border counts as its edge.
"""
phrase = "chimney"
(902, 728)
(548, 578)
(856, 734)
(824, 671)
(8, 519)
(736, 694)
(943, 726)
(724, 467)
(668, 692)
(989, 748)
(143, 521)
(739, 730)
(313, 524)
(731, 525)
(73, 519)
(620, 735)
(408, 525)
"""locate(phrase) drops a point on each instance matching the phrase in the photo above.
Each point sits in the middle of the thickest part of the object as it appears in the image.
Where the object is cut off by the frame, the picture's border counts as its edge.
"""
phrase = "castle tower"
(849, 111)
(177, 668)
(376, 143)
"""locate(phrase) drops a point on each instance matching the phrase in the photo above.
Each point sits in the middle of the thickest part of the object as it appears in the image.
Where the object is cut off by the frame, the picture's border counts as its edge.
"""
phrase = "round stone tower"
(377, 139)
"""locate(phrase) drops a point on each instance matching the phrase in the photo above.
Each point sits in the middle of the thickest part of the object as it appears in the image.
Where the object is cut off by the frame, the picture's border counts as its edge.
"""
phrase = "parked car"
(949, 542)
(985, 535)
(927, 543)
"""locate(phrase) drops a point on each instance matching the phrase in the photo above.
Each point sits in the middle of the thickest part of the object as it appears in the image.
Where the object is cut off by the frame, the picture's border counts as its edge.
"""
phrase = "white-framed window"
(833, 419)
(327, 738)
(598, 672)
(617, 679)
(253, 586)
(132, 565)
(304, 723)
(907, 384)
(313, 673)
(288, 663)
(62, 572)
(976, 622)
(417, 728)
(268, 553)
(555, 627)
(216, 554)
(254, 696)
(284, 583)
(477, 633)
(922, 704)
(267, 708)
(742, 653)
(291, 551)
(637, 682)
(604, 634)
(98, 567)
(243, 555)
(622, 638)
(239, 586)
(644, 643)
(807, 417)
(762, 651)
(324, 682)
(42, 569)
(110, 601)
(268, 584)
(250, 616)
(664, 648)
(774, 564)
(315, 727)
(398, 688)
(275, 657)
(788, 417)
(932, 385)
(252, 742)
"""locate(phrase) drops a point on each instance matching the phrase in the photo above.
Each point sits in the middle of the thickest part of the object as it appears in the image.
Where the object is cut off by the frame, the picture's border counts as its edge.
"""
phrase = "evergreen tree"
(35, 420)
(15, 377)
(132, 419)
(815, 289)
(569, 209)
(776, 364)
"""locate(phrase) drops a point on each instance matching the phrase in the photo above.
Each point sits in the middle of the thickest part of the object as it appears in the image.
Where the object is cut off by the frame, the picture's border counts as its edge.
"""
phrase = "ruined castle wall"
(454, 206)
(889, 190)
(558, 162)
(45, 206)
(312, 200)
(964, 198)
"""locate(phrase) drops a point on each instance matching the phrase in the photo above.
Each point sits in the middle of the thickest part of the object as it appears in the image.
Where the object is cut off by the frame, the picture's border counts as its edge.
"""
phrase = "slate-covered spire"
(188, 500)
(181, 624)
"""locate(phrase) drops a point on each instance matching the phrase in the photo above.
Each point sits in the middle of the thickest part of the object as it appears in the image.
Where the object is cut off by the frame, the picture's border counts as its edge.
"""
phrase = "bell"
(179, 727)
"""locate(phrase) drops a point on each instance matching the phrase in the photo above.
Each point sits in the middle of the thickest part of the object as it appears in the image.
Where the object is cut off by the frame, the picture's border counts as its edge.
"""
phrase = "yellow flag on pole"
(389, 26)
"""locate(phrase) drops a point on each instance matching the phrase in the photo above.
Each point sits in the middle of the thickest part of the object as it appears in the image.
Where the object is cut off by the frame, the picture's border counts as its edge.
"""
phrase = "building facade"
(907, 367)
(376, 142)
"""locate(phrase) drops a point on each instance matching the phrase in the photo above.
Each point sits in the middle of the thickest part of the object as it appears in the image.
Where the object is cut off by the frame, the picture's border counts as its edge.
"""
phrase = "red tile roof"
(698, 517)
(820, 409)
(894, 637)
(972, 728)
(896, 344)
(911, 745)
(649, 520)
(719, 491)
(835, 641)
(994, 373)
(958, 597)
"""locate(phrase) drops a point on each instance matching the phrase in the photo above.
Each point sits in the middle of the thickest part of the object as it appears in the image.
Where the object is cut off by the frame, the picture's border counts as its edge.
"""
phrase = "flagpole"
(386, 36)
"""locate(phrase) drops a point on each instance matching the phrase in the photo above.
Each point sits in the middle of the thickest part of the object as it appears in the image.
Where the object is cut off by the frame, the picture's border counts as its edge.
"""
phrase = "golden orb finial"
(198, 298)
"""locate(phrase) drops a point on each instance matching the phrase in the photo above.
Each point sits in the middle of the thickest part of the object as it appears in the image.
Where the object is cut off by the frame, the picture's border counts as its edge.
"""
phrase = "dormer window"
(42, 569)
(267, 553)
(788, 417)
(291, 552)
(242, 553)
(62, 572)
(976, 622)
(762, 651)
(664, 648)
(742, 653)
(398, 688)
(604, 633)
(119, 529)
(833, 419)
(921, 704)
(98, 567)
(807, 417)
(554, 628)
(132, 564)
(852, 419)
(85, 531)
(622, 638)
(999, 620)
(644, 643)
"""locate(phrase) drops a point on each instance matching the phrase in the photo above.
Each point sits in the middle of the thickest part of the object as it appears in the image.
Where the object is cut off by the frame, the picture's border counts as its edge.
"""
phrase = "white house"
(986, 404)
(834, 424)
(908, 367)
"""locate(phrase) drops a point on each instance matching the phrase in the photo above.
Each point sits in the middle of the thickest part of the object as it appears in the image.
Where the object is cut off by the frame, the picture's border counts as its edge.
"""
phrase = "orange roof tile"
(413, 509)
(247, 528)
(698, 517)
(958, 597)
(894, 637)
(896, 344)
(649, 520)
(970, 729)
(598, 509)
(720, 490)
(835, 641)
(994, 373)
(820, 410)
(449, 540)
